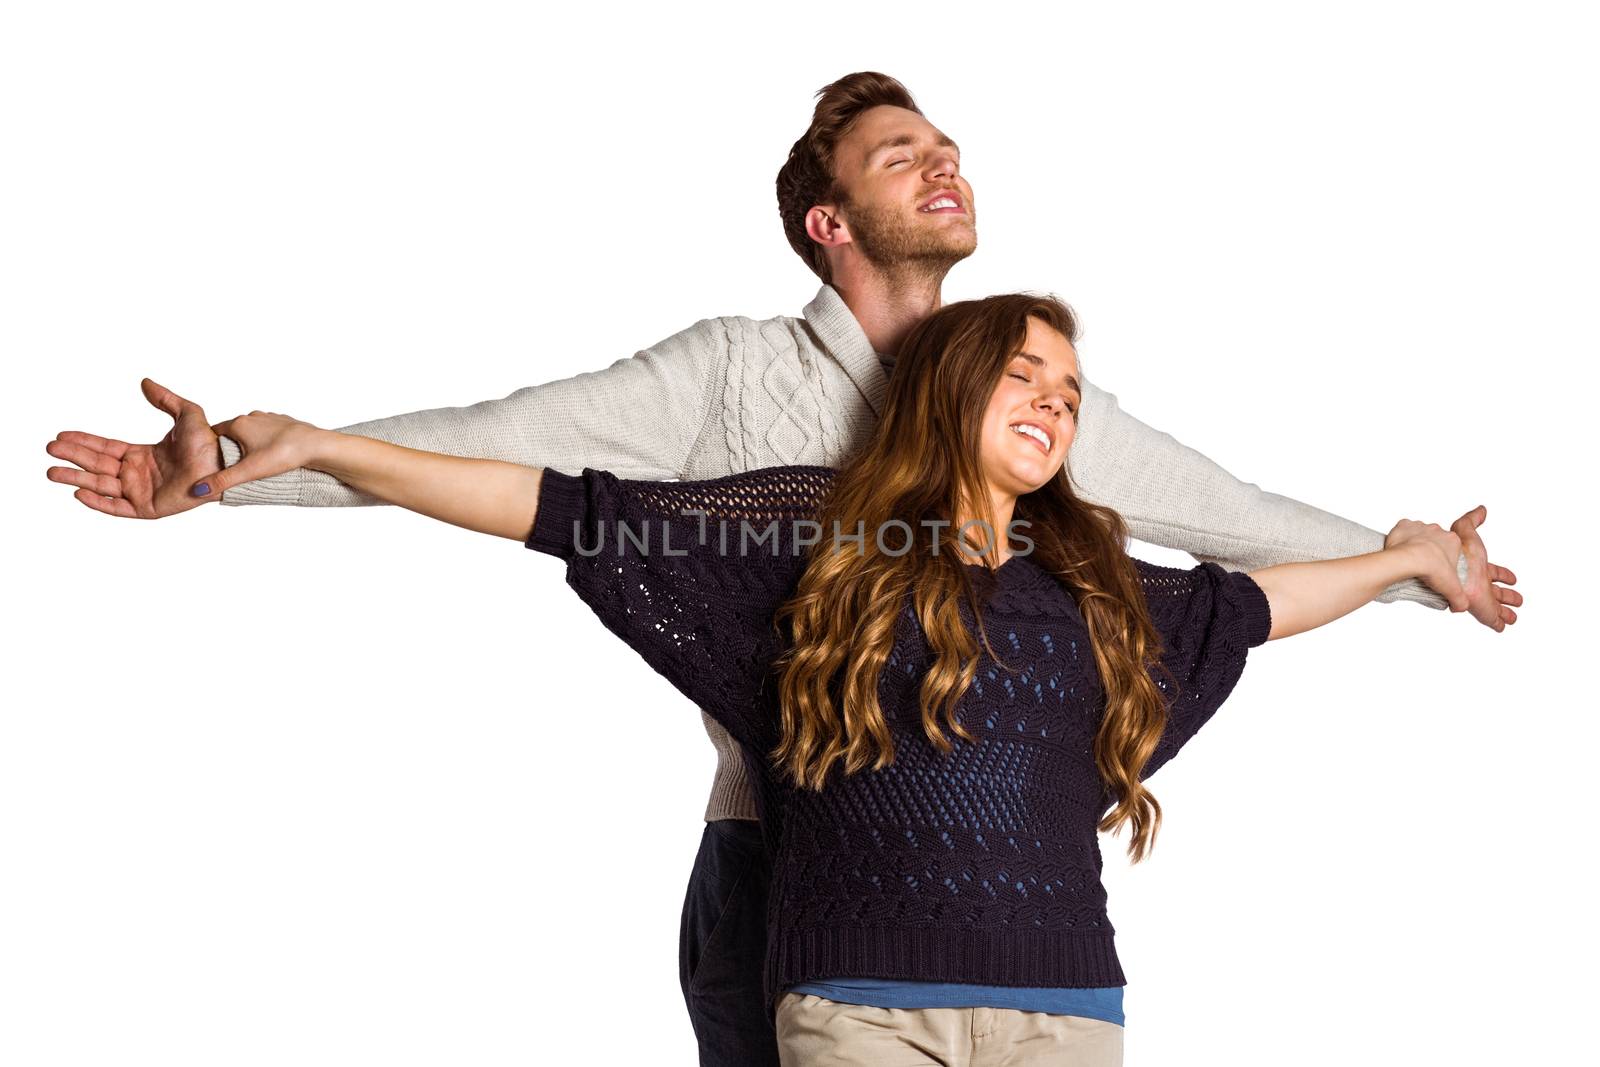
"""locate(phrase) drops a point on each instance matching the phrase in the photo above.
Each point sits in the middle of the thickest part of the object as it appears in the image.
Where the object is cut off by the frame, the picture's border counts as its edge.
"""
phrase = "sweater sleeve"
(1208, 618)
(639, 417)
(1174, 496)
(670, 568)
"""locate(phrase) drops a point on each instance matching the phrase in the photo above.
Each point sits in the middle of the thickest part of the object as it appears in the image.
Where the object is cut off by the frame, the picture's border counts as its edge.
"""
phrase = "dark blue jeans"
(722, 947)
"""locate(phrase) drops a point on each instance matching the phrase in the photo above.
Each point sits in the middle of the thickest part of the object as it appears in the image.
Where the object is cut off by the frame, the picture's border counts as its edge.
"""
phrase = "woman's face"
(1032, 415)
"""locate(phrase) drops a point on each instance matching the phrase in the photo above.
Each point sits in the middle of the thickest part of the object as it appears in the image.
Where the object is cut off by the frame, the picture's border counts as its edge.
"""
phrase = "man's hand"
(142, 481)
(1487, 598)
(1486, 595)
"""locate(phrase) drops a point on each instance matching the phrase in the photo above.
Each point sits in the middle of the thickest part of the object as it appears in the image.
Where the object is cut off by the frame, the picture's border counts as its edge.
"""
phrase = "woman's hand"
(1435, 552)
(271, 444)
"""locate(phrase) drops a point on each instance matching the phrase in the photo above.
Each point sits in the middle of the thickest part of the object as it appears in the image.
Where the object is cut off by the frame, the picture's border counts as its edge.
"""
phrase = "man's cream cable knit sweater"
(729, 395)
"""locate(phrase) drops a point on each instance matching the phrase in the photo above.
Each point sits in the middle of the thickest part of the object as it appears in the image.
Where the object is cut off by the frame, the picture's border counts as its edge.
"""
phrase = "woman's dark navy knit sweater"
(980, 866)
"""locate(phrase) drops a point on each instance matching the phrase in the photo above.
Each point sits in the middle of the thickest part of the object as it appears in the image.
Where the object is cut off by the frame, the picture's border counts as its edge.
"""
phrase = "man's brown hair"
(806, 179)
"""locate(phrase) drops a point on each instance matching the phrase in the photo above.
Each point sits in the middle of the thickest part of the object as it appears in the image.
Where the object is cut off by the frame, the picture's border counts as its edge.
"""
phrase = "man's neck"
(886, 307)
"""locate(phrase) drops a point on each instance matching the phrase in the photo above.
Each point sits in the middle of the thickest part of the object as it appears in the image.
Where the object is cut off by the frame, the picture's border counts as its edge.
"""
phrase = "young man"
(873, 201)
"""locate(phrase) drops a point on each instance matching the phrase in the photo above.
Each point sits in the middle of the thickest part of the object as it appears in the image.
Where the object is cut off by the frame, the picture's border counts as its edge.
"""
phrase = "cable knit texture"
(735, 394)
(979, 866)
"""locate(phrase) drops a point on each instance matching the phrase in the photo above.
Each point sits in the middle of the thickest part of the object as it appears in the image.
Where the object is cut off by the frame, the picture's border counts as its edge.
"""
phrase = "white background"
(355, 787)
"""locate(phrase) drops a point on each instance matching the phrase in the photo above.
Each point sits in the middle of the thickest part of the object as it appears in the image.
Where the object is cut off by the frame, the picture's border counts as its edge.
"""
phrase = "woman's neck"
(1002, 507)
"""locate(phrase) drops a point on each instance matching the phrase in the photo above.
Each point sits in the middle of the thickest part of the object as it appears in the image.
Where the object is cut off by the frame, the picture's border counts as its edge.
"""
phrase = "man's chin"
(934, 257)
(950, 255)
(956, 243)
(960, 243)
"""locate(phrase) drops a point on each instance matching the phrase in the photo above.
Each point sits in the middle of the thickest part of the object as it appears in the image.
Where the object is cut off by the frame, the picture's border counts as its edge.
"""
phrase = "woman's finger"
(248, 469)
(1448, 583)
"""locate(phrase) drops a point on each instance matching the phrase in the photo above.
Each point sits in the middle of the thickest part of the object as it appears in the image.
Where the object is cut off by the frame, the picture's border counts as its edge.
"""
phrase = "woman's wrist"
(325, 446)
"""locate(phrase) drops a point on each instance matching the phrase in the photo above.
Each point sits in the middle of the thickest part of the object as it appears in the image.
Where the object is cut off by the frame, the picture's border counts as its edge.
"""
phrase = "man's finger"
(117, 506)
(87, 458)
(162, 397)
(1472, 519)
(109, 445)
(101, 484)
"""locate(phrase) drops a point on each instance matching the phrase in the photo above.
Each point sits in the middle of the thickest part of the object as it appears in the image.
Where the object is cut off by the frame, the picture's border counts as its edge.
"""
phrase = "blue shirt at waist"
(1103, 1002)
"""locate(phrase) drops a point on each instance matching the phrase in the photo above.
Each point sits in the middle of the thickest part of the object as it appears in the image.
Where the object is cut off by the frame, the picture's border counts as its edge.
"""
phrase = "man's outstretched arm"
(639, 417)
(1174, 496)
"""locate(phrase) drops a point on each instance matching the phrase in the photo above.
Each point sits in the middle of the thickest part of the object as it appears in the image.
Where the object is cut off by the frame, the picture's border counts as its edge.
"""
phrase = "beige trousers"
(815, 1032)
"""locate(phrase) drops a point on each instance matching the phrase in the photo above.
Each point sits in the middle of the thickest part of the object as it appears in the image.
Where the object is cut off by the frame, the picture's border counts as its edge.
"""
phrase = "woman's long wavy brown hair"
(922, 461)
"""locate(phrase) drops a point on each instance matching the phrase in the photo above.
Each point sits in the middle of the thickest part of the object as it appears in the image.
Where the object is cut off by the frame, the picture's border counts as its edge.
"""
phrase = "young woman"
(944, 670)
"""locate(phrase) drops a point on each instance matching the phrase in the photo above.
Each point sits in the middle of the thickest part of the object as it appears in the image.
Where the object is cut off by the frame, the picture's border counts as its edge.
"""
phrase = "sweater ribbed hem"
(731, 795)
(1015, 956)
(561, 500)
(1415, 591)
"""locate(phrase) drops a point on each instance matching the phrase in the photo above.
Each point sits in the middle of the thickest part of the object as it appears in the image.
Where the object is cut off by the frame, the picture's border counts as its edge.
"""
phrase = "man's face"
(905, 202)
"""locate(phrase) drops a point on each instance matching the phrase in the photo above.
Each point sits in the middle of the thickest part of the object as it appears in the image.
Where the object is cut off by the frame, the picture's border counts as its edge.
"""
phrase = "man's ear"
(826, 226)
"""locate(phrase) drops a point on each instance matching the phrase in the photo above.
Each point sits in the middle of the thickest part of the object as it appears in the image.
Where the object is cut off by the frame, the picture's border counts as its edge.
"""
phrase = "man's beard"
(897, 246)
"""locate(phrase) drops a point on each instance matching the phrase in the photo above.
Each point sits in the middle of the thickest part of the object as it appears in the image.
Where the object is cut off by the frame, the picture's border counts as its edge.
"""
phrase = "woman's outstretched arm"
(486, 495)
(1304, 596)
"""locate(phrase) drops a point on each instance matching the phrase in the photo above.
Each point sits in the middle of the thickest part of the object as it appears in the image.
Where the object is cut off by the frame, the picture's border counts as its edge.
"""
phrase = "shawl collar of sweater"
(842, 337)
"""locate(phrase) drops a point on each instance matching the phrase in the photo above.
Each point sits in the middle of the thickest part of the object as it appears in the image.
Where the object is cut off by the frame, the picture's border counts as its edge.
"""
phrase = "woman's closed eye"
(1069, 404)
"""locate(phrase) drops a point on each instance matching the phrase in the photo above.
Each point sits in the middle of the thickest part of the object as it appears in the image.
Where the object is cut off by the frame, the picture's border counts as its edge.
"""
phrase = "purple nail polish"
(202, 489)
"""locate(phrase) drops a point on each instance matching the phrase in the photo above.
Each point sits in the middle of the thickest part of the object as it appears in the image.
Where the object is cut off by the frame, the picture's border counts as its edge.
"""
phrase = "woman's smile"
(1036, 432)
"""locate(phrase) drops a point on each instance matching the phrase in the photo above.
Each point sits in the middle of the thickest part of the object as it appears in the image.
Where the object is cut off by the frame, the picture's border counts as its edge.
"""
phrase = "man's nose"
(942, 164)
